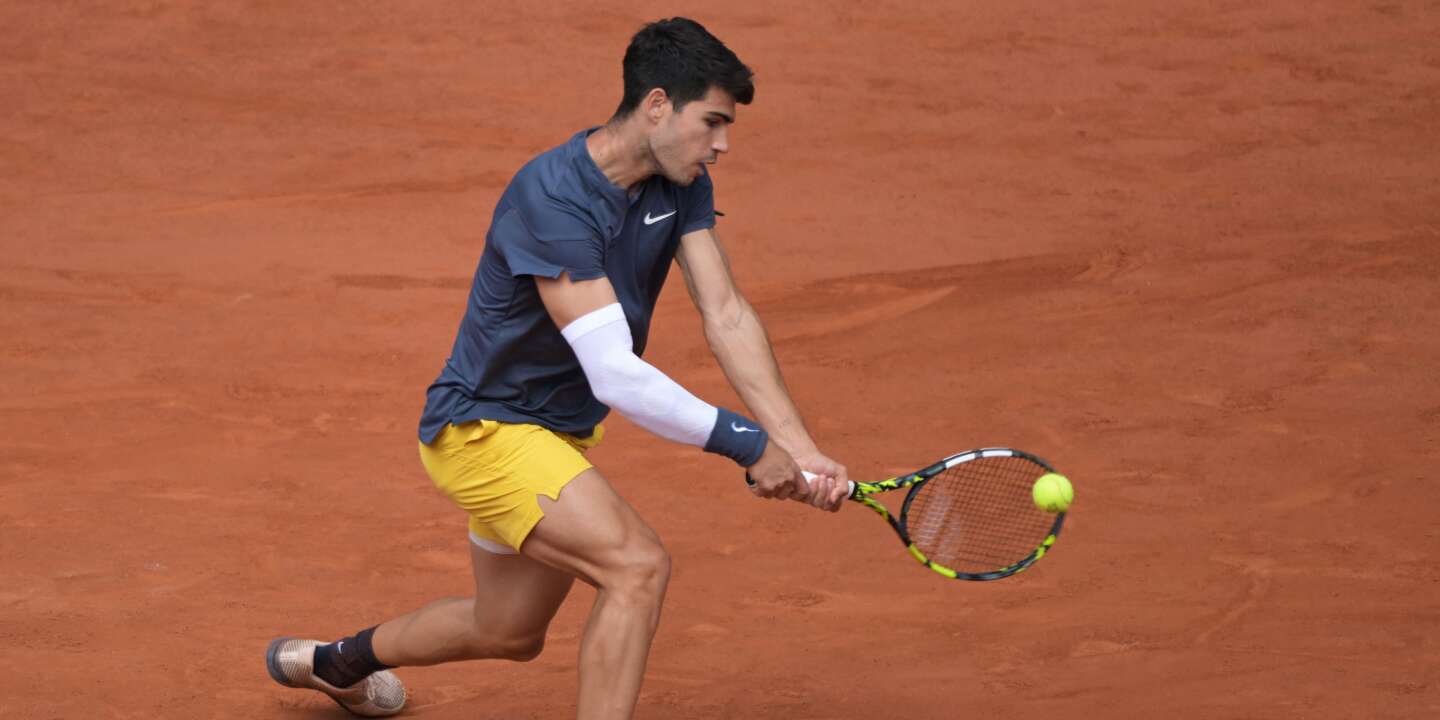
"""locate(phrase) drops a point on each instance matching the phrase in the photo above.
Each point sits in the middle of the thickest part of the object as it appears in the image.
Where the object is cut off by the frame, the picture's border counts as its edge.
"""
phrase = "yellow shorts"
(496, 470)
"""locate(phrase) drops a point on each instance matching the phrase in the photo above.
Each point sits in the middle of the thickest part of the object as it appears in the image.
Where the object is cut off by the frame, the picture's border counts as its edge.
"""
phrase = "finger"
(803, 493)
(823, 489)
(817, 493)
(795, 487)
(827, 499)
(812, 489)
(804, 489)
(816, 487)
(803, 486)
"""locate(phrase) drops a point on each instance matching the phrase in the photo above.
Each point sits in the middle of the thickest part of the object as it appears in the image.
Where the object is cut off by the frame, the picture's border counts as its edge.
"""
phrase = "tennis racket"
(970, 516)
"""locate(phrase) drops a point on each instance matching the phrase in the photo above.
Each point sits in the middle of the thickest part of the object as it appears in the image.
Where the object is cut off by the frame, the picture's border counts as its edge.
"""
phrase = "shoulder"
(548, 198)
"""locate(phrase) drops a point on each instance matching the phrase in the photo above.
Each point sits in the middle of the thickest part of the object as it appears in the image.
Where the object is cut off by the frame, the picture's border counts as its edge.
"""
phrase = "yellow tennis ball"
(1052, 493)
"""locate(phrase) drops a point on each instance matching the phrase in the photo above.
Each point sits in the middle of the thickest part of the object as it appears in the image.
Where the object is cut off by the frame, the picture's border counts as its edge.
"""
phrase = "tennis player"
(557, 318)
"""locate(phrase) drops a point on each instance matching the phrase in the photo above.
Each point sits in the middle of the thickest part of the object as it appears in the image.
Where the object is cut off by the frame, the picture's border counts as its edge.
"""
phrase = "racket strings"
(978, 516)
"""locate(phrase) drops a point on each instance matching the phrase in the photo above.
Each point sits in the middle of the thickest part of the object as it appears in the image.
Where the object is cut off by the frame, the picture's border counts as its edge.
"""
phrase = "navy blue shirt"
(559, 214)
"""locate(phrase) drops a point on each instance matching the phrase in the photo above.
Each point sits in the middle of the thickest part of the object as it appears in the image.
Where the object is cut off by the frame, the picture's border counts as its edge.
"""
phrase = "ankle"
(347, 661)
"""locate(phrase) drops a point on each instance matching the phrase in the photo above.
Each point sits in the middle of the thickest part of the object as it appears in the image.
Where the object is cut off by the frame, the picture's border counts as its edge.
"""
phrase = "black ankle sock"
(347, 661)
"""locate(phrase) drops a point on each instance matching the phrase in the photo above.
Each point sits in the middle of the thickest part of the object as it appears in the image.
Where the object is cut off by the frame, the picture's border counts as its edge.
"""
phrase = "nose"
(721, 144)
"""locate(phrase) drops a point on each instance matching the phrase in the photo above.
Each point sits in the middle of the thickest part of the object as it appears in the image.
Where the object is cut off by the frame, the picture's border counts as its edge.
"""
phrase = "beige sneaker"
(291, 662)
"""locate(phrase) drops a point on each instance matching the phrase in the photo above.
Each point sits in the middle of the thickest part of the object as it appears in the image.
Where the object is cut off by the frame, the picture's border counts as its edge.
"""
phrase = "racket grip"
(809, 477)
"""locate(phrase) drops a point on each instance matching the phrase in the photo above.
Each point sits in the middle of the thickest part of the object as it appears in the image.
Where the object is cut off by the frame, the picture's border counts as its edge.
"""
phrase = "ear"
(656, 104)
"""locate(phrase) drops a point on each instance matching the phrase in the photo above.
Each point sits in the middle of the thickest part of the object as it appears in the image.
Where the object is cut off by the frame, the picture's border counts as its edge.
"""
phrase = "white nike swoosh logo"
(652, 220)
(341, 647)
(738, 428)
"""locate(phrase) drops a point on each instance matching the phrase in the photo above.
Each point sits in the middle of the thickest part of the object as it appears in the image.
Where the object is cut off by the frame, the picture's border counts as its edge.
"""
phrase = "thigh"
(589, 531)
(516, 593)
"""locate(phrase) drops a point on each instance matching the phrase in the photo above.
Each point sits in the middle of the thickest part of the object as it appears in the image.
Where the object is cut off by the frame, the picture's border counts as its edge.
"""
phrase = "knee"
(518, 649)
(487, 644)
(642, 575)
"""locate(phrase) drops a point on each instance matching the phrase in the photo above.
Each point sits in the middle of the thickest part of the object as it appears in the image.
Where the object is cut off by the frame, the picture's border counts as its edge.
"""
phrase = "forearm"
(638, 390)
(739, 341)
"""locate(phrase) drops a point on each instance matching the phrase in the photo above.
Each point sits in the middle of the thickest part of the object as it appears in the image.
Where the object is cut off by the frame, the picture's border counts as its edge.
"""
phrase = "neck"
(620, 151)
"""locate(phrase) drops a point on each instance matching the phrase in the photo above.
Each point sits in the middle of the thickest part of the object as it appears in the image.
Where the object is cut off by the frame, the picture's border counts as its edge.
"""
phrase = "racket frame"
(863, 491)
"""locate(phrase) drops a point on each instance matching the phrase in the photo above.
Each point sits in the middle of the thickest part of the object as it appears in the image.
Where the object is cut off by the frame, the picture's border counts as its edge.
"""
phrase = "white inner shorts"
(491, 546)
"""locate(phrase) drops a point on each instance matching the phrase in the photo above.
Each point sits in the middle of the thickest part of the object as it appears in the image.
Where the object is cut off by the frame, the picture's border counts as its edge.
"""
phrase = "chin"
(682, 180)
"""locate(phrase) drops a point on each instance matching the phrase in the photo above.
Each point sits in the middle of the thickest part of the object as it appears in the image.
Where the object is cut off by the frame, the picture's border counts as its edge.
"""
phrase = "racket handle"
(809, 477)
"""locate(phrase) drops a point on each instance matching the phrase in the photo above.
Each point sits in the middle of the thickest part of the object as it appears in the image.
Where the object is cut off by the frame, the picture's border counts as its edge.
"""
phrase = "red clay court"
(1186, 252)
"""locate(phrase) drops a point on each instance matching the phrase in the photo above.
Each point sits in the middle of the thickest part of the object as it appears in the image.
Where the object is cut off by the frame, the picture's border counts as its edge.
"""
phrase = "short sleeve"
(580, 254)
(700, 204)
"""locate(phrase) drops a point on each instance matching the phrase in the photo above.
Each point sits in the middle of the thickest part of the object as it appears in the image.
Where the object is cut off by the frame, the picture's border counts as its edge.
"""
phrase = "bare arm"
(739, 341)
(566, 300)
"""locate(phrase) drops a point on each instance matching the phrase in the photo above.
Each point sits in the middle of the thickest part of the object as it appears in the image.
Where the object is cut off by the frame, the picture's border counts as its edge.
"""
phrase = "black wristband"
(737, 437)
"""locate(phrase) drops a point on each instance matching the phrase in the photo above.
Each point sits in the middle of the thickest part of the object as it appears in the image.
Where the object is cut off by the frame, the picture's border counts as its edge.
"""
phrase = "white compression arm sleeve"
(633, 387)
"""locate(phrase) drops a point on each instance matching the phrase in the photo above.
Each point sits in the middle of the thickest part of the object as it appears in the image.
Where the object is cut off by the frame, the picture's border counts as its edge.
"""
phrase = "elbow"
(608, 393)
(728, 316)
(630, 390)
(616, 381)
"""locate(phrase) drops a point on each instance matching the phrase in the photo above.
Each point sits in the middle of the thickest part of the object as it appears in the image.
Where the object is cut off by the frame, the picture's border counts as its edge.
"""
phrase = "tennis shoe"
(291, 662)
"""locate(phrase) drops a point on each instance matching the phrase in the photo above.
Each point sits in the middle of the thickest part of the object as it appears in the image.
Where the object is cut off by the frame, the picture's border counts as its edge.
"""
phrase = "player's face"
(684, 142)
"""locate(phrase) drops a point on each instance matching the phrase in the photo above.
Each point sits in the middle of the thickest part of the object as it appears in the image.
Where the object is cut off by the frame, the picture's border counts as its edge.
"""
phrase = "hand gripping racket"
(970, 516)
